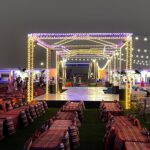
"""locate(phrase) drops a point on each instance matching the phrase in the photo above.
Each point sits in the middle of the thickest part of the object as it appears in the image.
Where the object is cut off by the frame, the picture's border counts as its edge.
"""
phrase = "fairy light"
(29, 69)
(80, 36)
(128, 67)
(138, 50)
(47, 73)
(145, 39)
(136, 38)
(30, 87)
(137, 56)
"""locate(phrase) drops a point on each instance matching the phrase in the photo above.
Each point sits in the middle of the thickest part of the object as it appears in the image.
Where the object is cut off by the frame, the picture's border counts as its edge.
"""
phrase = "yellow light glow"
(47, 73)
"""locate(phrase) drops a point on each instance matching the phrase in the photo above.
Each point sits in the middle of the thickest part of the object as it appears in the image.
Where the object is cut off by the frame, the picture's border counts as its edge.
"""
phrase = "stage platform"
(81, 93)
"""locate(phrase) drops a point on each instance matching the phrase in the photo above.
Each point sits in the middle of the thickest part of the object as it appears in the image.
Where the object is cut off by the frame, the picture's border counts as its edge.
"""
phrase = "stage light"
(142, 56)
(145, 39)
(136, 38)
(137, 56)
(145, 50)
(147, 57)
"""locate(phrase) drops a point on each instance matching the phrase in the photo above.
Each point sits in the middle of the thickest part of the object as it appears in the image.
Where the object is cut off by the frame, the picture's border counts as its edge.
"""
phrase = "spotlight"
(145, 50)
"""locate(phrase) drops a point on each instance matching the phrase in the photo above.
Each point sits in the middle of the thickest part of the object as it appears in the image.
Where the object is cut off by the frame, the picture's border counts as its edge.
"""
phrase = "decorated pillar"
(30, 88)
(47, 72)
(128, 72)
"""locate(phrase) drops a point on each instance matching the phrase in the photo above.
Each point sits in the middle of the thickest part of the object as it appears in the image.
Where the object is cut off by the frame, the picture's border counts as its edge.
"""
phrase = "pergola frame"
(98, 38)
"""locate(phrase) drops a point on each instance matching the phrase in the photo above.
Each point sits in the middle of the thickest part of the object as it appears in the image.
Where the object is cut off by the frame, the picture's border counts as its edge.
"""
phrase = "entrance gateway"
(70, 45)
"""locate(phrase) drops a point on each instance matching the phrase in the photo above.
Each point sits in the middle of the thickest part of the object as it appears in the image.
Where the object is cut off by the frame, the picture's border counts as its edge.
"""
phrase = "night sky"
(20, 17)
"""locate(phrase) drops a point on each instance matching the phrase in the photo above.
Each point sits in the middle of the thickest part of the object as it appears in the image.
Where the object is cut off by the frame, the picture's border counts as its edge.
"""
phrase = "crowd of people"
(17, 84)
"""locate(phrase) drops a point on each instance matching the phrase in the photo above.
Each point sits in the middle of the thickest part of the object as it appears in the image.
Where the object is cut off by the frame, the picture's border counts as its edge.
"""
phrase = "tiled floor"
(82, 93)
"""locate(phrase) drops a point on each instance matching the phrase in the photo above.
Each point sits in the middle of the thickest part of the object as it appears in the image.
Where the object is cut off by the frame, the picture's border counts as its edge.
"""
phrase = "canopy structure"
(82, 45)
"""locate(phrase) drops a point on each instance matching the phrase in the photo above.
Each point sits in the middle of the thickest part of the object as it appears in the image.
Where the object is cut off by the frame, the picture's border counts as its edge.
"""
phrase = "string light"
(136, 38)
(47, 73)
(80, 36)
(42, 64)
(83, 36)
(145, 39)
(138, 50)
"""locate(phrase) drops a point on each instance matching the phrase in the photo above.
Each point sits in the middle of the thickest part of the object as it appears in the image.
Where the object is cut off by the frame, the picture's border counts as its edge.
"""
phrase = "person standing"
(80, 80)
(74, 80)
(142, 83)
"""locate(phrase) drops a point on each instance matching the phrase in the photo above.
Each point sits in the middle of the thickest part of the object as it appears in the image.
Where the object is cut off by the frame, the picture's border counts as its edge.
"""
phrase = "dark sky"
(20, 17)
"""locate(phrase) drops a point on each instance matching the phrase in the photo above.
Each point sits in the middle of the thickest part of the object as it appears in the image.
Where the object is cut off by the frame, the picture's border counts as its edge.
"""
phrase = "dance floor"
(81, 93)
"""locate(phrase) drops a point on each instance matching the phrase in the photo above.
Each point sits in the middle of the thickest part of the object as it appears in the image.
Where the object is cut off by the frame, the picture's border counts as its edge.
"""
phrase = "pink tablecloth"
(49, 140)
(131, 134)
(112, 108)
(14, 117)
(72, 106)
(122, 121)
(128, 134)
(61, 124)
(66, 115)
(137, 146)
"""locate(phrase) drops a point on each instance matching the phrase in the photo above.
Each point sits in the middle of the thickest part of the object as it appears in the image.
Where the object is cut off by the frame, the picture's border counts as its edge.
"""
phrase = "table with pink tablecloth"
(63, 124)
(51, 139)
(66, 115)
(137, 146)
(128, 134)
